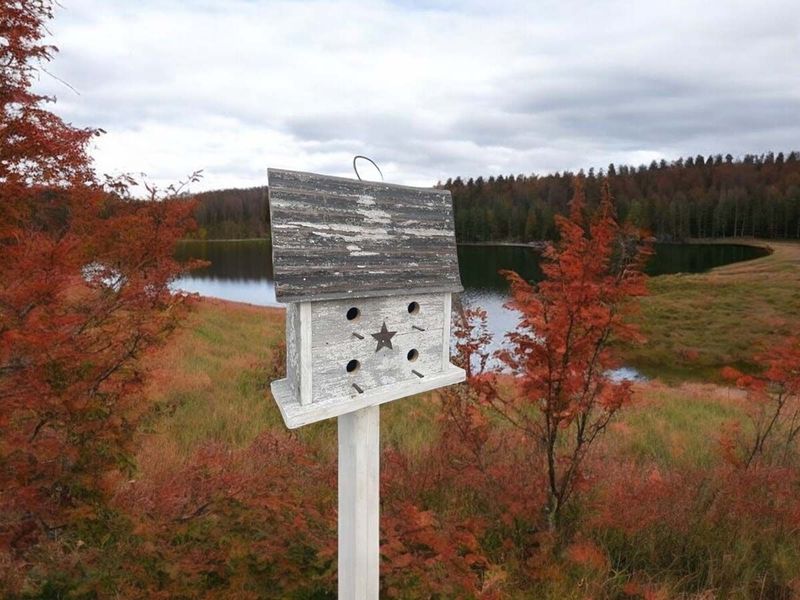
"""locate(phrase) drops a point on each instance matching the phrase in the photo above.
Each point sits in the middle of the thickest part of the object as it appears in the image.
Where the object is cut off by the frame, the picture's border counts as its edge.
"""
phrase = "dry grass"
(674, 427)
(697, 324)
(207, 384)
(212, 384)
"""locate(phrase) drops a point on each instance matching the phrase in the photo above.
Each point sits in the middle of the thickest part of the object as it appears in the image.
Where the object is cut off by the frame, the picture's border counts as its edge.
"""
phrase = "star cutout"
(384, 337)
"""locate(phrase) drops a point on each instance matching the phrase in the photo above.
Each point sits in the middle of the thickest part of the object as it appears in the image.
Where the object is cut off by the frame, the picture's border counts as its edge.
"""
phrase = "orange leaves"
(423, 557)
(84, 291)
(472, 336)
(773, 409)
(736, 376)
(561, 395)
(261, 513)
(587, 554)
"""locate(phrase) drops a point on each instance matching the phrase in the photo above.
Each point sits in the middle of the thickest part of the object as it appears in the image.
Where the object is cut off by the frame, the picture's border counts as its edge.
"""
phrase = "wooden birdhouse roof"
(334, 237)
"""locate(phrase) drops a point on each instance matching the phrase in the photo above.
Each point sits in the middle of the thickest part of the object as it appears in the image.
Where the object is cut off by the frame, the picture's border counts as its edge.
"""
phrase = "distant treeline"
(713, 197)
(698, 197)
(232, 214)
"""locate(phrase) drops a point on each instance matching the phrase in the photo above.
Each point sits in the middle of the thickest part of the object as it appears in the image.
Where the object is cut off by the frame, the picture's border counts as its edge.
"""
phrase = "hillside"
(712, 197)
(232, 214)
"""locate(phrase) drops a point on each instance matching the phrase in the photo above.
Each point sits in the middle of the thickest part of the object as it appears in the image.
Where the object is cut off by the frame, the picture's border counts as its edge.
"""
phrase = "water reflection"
(245, 260)
(242, 270)
(480, 266)
(251, 291)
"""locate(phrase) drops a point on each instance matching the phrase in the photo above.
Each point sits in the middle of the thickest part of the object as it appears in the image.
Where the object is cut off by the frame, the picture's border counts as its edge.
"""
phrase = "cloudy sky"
(429, 89)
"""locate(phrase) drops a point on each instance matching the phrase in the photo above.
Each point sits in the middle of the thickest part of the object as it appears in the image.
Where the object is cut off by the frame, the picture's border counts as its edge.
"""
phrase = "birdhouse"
(367, 271)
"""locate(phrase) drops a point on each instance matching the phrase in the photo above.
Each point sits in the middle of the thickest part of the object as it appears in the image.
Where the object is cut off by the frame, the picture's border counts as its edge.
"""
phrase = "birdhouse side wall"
(299, 350)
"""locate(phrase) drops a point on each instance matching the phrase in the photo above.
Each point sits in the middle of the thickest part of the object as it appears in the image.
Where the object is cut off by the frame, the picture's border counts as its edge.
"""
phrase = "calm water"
(242, 271)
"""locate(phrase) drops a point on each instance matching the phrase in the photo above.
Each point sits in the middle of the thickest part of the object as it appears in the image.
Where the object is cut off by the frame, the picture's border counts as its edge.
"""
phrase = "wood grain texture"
(377, 369)
(293, 348)
(359, 504)
(305, 354)
(447, 304)
(339, 238)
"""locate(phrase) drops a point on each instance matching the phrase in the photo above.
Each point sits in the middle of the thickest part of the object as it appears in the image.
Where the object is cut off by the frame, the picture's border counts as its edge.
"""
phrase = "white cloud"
(428, 89)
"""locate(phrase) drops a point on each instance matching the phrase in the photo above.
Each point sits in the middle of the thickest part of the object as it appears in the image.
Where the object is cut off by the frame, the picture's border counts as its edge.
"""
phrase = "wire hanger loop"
(355, 168)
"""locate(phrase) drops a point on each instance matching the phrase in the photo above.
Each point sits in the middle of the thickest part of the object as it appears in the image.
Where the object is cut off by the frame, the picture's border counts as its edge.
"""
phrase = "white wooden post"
(359, 519)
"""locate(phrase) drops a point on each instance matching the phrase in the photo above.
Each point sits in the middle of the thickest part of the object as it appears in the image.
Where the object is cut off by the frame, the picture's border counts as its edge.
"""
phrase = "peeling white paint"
(366, 200)
(376, 215)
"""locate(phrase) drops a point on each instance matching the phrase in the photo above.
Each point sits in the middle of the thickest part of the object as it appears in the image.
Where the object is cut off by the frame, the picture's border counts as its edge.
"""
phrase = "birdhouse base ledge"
(296, 415)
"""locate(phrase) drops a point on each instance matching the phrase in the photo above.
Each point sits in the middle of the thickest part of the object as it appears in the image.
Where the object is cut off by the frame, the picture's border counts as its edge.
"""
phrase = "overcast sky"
(429, 89)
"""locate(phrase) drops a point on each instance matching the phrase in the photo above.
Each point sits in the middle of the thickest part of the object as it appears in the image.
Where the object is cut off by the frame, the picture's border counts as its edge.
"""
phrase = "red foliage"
(587, 554)
(426, 556)
(250, 520)
(84, 291)
(699, 526)
(261, 522)
(472, 335)
(773, 410)
(560, 394)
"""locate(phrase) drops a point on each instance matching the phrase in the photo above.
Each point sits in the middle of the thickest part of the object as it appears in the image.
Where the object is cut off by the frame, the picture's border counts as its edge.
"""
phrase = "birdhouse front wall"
(349, 348)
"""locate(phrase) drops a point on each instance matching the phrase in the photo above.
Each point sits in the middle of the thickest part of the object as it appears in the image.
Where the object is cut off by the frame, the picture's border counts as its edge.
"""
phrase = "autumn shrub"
(84, 292)
(556, 388)
(257, 522)
(771, 433)
(727, 531)
(260, 522)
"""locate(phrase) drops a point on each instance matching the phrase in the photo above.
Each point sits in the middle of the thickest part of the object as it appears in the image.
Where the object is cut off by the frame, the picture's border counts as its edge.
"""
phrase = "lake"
(242, 271)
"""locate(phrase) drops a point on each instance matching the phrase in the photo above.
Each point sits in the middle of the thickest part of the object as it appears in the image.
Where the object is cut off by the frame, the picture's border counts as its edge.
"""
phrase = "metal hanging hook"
(355, 168)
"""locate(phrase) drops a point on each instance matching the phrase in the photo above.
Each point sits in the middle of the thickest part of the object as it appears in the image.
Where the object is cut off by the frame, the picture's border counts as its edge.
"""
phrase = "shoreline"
(542, 244)
(538, 245)
(753, 242)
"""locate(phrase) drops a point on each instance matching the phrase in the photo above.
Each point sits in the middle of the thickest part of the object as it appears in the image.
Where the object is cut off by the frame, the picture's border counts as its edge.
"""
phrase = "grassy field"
(211, 385)
(211, 382)
(697, 324)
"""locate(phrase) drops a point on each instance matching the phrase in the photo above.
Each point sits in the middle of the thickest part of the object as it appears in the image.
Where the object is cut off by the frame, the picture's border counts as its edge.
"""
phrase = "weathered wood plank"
(282, 179)
(308, 202)
(359, 505)
(297, 256)
(306, 360)
(296, 415)
(336, 237)
(376, 369)
(293, 347)
(339, 285)
(447, 314)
